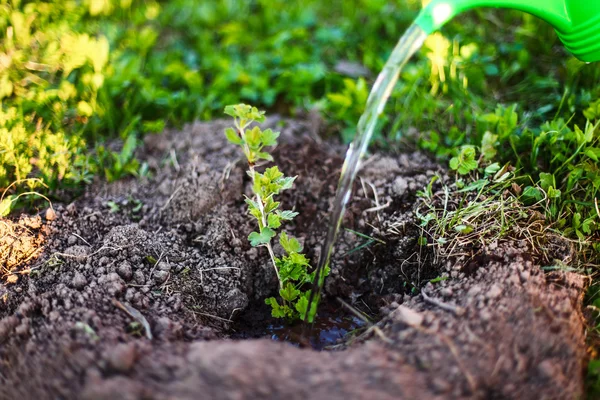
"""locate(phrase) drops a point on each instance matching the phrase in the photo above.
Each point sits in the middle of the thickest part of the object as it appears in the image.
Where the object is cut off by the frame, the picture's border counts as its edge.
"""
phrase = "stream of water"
(407, 46)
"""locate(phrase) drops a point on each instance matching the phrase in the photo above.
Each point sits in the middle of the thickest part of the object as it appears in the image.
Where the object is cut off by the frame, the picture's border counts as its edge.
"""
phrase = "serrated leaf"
(273, 221)
(262, 155)
(264, 237)
(289, 271)
(587, 225)
(273, 173)
(253, 137)
(271, 205)
(299, 259)
(289, 244)
(302, 305)
(287, 215)
(286, 183)
(233, 137)
(269, 137)
(289, 292)
(276, 310)
(230, 110)
(465, 162)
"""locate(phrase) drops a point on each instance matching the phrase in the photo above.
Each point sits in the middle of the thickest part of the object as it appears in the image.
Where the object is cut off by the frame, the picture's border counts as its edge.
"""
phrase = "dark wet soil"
(142, 289)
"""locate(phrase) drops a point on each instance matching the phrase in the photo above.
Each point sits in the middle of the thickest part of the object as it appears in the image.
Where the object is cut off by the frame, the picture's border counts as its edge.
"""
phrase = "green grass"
(77, 74)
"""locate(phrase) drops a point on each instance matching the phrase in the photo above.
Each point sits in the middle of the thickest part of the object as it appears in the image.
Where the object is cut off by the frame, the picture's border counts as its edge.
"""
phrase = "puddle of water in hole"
(328, 330)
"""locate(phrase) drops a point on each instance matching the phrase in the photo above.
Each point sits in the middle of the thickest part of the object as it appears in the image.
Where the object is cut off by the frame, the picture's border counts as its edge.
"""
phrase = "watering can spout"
(577, 22)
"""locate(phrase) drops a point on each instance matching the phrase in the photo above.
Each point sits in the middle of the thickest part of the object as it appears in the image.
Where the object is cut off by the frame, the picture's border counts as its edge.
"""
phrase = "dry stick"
(135, 314)
(372, 327)
(211, 316)
(456, 310)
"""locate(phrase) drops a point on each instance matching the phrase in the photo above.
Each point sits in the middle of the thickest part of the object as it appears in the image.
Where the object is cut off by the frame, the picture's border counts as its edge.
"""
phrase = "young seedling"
(292, 268)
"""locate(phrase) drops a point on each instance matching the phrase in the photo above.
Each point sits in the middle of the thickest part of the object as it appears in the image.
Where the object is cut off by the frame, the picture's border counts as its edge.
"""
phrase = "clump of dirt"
(20, 242)
(141, 285)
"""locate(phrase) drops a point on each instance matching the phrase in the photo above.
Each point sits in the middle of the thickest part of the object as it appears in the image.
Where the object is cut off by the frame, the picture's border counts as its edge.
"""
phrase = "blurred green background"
(76, 74)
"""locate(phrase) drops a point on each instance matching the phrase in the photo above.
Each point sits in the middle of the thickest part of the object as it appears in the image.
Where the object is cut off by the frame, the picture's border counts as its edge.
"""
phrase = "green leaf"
(286, 183)
(273, 221)
(593, 153)
(233, 137)
(289, 292)
(302, 305)
(273, 173)
(264, 237)
(576, 220)
(253, 209)
(492, 169)
(6, 205)
(587, 225)
(269, 137)
(276, 310)
(271, 205)
(553, 193)
(253, 137)
(287, 215)
(465, 162)
(546, 181)
(264, 156)
(288, 271)
(531, 195)
(230, 110)
(487, 145)
(299, 259)
(464, 229)
(289, 244)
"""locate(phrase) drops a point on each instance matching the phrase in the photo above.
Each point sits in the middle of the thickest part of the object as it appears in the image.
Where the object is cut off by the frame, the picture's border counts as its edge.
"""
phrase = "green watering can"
(577, 22)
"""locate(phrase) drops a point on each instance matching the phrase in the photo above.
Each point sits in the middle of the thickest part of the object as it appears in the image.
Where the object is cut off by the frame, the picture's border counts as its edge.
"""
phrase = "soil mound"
(135, 290)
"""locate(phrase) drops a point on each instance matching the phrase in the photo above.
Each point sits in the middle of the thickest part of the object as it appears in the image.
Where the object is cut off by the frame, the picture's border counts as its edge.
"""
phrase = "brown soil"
(142, 284)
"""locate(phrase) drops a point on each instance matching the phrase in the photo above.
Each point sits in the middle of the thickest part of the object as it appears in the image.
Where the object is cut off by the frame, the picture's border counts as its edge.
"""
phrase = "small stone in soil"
(125, 271)
(79, 281)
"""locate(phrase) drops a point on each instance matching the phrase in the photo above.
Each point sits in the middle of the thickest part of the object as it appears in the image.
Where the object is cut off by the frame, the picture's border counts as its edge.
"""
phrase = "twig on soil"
(226, 172)
(74, 256)
(164, 207)
(211, 316)
(135, 314)
(456, 310)
(372, 327)
(82, 239)
(173, 157)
